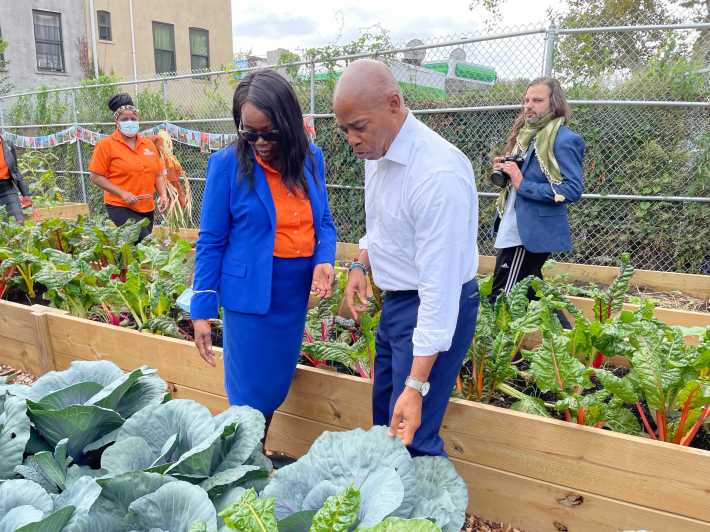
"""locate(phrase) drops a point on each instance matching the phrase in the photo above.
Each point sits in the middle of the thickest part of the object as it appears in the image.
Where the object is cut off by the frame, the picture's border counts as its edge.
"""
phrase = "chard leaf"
(339, 513)
(397, 524)
(618, 387)
(530, 405)
(251, 513)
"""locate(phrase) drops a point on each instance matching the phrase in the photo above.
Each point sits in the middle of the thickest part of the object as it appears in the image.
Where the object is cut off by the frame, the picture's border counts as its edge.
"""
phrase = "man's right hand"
(356, 292)
(128, 197)
(203, 340)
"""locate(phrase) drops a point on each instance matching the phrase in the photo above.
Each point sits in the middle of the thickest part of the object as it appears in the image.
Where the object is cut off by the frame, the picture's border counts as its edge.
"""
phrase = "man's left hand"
(407, 415)
(516, 176)
(25, 202)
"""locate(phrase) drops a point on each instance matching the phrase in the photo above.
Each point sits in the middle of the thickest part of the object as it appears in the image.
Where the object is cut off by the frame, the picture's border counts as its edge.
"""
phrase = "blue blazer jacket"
(235, 248)
(543, 224)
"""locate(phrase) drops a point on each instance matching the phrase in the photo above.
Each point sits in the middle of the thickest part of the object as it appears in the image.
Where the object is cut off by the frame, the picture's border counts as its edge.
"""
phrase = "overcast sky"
(260, 25)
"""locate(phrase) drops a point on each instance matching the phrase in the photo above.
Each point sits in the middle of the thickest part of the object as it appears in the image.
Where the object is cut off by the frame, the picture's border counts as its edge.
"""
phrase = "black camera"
(499, 177)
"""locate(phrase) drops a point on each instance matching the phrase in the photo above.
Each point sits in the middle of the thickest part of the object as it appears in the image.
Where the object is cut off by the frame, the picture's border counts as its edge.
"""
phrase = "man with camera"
(540, 175)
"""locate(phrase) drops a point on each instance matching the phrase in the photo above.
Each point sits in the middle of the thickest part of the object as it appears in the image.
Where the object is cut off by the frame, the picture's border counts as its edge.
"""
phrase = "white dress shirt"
(421, 217)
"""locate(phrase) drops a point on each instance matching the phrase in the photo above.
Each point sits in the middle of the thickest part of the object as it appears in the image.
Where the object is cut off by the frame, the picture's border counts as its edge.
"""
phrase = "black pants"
(120, 215)
(10, 200)
(514, 264)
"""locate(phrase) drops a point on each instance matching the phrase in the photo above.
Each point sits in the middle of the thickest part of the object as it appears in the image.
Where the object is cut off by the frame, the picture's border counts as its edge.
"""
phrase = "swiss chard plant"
(670, 378)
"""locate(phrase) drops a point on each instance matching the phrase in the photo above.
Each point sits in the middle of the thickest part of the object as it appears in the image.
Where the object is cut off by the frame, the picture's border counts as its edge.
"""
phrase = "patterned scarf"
(544, 131)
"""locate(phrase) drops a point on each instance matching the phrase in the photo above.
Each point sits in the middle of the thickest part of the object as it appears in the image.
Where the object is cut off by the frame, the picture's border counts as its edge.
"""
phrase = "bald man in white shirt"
(421, 212)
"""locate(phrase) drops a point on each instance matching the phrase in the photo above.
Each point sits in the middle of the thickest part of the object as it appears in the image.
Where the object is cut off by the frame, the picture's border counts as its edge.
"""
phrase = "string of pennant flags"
(205, 141)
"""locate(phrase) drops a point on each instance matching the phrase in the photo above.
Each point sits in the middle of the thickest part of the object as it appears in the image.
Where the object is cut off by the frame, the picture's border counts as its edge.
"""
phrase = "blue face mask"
(129, 127)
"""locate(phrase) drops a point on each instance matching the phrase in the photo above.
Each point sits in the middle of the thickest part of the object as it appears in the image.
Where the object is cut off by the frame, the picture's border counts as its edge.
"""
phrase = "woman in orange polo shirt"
(128, 168)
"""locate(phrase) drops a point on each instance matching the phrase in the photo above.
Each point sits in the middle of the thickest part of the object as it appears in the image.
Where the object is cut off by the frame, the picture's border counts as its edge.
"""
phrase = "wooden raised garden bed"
(65, 211)
(531, 472)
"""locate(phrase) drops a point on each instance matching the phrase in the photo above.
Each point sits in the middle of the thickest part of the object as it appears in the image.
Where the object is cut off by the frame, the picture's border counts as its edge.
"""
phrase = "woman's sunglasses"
(252, 136)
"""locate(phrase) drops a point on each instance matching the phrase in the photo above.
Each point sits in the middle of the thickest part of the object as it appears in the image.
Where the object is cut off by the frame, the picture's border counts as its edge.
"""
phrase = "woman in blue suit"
(266, 240)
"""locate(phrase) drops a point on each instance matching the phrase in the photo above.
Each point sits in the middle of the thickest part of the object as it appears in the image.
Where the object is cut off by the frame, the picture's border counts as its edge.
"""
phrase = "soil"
(476, 524)
(15, 376)
(672, 300)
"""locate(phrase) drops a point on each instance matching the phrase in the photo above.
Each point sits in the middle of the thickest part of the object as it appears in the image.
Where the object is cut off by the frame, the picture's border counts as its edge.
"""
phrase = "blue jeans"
(11, 201)
(394, 361)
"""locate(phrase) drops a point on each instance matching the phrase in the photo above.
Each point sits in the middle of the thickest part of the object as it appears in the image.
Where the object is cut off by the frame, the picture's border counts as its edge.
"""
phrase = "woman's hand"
(203, 340)
(128, 197)
(163, 204)
(323, 276)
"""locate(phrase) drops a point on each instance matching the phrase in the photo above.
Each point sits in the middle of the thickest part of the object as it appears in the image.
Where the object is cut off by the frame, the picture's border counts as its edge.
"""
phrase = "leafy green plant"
(390, 482)
(251, 513)
(669, 377)
(500, 330)
(38, 168)
(87, 402)
(181, 438)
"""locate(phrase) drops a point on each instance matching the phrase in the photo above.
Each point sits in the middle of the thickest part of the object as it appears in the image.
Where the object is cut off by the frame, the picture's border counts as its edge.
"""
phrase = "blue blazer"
(543, 224)
(235, 248)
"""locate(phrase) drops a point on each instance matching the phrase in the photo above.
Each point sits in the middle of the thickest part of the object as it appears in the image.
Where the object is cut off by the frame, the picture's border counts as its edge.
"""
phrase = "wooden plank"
(16, 322)
(346, 252)
(534, 505)
(506, 497)
(637, 470)
(332, 398)
(20, 355)
(43, 340)
(66, 211)
(294, 435)
(684, 318)
(176, 360)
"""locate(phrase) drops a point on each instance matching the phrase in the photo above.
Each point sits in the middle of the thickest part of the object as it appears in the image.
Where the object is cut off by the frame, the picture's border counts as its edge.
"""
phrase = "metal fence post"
(79, 155)
(313, 86)
(165, 100)
(550, 43)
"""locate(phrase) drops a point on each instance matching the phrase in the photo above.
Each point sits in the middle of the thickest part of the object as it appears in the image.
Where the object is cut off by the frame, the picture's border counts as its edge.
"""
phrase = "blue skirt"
(261, 350)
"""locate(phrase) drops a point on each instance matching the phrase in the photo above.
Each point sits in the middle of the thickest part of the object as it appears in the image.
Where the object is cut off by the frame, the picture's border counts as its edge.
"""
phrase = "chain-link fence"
(639, 96)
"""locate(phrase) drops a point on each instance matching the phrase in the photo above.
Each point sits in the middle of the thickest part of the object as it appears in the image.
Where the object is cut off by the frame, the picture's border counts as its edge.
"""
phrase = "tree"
(585, 57)
(5, 84)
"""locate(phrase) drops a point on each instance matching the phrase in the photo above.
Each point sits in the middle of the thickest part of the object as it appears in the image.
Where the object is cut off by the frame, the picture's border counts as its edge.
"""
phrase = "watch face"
(425, 389)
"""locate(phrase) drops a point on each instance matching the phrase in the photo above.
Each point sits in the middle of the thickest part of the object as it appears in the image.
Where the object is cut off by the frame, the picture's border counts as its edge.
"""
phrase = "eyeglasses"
(252, 136)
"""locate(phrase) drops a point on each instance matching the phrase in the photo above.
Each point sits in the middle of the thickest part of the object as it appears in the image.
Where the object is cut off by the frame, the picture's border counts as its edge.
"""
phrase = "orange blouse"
(295, 235)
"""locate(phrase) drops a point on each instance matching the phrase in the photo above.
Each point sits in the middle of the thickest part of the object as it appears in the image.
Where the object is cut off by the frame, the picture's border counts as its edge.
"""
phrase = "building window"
(199, 49)
(164, 44)
(48, 41)
(104, 20)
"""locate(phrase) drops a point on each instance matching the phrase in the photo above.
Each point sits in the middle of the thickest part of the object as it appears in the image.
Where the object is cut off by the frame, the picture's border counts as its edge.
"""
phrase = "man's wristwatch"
(421, 387)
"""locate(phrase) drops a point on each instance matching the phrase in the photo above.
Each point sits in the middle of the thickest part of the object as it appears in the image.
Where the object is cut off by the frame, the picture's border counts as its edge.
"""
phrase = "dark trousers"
(120, 215)
(514, 264)
(394, 362)
(10, 200)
